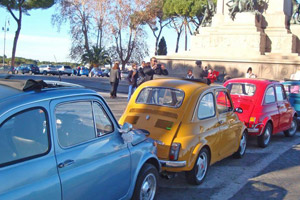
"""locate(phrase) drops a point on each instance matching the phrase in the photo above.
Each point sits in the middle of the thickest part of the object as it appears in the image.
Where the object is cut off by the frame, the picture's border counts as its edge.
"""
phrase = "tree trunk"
(185, 48)
(177, 42)
(19, 22)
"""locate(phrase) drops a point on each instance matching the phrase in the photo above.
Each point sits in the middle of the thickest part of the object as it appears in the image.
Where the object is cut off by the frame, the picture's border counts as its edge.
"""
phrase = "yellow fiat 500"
(195, 125)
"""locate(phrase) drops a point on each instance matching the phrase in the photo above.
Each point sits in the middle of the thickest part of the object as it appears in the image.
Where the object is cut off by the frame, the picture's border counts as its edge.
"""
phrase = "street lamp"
(5, 29)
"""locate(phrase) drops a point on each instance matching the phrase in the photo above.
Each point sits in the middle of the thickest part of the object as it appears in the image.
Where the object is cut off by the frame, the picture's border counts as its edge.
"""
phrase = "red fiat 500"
(266, 109)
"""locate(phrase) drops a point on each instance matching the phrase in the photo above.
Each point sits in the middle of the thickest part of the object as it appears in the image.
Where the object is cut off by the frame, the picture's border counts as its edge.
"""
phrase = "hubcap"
(202, 166)
(148, 187)
(243, 144)
(267, 135)
(293, 127)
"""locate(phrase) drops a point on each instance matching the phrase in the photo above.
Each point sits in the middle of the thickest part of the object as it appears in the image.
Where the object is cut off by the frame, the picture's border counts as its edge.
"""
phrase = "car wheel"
(44, 72)
(264, 139)
(69, 74)
(146, 184)
(197, 175)
(242, 148)
(292, 131)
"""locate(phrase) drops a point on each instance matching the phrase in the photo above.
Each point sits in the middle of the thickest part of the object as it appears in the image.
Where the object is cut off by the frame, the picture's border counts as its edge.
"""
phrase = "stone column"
(218, 18)
(279, 37)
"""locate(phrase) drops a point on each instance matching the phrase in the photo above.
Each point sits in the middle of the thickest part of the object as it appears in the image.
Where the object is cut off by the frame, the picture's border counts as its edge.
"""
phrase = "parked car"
(22, 69)
(83, 71)
(292, 89)
(48, 69)
(61, 141)
(105, 72)
(266, 109)
(27, 68)
(96, 72)
(64, 69)
(195, 125)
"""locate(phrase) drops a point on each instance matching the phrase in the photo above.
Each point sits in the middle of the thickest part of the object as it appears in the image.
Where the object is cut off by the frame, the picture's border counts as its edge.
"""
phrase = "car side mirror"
(126, 128)
(238, 110)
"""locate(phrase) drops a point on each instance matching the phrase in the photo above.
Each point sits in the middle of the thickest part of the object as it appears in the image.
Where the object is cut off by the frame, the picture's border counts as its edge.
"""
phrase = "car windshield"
(161, 96)
(244, 89)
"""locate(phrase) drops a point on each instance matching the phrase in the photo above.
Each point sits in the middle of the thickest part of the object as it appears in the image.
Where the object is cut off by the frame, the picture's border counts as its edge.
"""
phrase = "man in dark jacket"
(146, 73)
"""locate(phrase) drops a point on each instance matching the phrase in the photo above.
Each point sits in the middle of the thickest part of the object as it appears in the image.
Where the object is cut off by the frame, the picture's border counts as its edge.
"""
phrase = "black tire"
(192, 176)
(45, 73)
(243, 146)
(69, 74)
(147, 177)
(264, 139)
(292, 131)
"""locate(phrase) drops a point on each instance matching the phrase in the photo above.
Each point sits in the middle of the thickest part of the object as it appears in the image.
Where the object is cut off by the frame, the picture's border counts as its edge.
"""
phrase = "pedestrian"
(149, 69)
(250, 74)
(190, 74)
(132, 80)
(115, 77)
(200, 72)
(212, 75)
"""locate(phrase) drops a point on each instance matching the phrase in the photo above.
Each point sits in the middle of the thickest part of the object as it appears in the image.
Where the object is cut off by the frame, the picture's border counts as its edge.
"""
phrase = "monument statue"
(209, 12)
(235, 6)
(296, 12)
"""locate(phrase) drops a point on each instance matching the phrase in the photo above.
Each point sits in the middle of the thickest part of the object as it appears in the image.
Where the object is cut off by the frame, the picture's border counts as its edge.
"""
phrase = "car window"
(270, 95)
(206, 107)
(280, 93)
(24, 136)
(161, 96)
(74, 123)
(245, 89)
(223, 102)
(102, 121)
(67, 67)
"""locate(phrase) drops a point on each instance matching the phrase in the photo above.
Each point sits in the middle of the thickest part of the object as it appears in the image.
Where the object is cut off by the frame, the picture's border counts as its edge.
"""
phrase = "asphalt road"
(269, 173)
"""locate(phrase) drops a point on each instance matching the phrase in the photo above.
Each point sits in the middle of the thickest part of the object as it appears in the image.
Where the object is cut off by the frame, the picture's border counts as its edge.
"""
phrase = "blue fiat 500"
(61, 141)
(292, 89)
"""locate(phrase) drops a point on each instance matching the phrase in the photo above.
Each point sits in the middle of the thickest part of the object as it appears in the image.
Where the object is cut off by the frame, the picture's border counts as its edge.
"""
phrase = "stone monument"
(244, 33)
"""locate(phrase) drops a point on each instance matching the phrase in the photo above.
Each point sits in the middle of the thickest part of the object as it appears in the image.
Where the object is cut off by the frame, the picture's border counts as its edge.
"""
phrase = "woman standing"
(132, 80)
(115, 77)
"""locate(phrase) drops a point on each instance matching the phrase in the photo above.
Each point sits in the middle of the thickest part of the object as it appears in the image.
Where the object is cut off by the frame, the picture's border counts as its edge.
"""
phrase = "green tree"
(185, 14)
(162, 47)
(96, 57)
(22, 7)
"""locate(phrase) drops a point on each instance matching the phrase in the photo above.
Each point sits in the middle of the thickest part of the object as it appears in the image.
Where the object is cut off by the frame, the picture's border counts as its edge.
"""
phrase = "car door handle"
(221, 122)
(65, 163)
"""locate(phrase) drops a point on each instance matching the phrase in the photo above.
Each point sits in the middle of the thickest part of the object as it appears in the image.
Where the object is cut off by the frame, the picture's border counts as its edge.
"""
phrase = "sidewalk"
(279, 180)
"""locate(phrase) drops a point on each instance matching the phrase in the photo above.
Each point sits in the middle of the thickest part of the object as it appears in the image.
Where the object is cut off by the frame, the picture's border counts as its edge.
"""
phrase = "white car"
(64, 69)
(48, 69)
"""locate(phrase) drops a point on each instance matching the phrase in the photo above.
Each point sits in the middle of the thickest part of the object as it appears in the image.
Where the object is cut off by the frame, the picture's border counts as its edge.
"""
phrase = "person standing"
(199, 72)
(249, 73)
(190, 74)
(149, 69)
(132, 80)
(212, 75)
(115, 77)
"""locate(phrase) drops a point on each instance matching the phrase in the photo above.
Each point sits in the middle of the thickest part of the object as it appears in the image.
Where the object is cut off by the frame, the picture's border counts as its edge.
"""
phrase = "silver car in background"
(48, 69)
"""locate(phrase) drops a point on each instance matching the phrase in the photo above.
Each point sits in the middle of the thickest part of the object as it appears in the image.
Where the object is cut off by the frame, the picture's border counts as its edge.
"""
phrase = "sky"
(40, 40)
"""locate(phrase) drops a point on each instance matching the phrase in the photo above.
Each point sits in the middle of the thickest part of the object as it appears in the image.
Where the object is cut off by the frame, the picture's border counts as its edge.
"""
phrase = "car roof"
(256, 81)
(14, 93)
(187, 85)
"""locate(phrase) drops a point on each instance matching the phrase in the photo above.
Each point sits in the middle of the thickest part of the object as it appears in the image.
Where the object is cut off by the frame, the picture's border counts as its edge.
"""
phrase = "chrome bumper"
(252, 130)
(173, 164)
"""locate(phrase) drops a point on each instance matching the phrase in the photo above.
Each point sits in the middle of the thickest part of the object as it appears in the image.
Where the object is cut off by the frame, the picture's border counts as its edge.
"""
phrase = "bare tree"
(101, 9)
(125, 29)
(79, 14)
